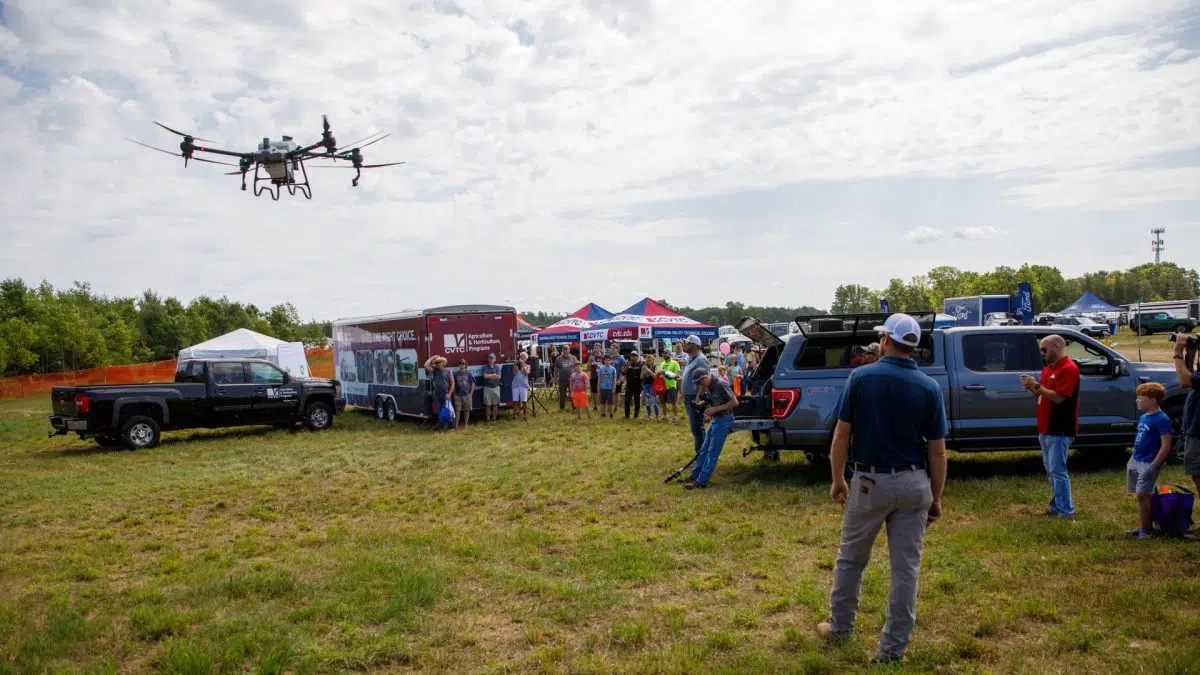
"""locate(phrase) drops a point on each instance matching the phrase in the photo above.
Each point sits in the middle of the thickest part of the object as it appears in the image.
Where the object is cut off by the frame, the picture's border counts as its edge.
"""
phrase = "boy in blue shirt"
(1150, 450)
(606, 381)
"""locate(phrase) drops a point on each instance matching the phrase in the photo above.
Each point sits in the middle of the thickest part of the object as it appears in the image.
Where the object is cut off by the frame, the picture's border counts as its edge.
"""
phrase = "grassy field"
(547, 545)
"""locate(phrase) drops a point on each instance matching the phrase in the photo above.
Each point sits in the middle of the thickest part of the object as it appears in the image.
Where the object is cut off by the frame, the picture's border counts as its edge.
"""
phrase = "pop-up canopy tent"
(567, 329)
(244, 343)
(647, 319)
(1089, 303)
(524, 328)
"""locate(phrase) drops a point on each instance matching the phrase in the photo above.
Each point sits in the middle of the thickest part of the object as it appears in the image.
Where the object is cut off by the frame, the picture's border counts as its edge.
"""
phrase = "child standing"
(1150, 450)
(606, 382)
(648, 395)
(579, 391)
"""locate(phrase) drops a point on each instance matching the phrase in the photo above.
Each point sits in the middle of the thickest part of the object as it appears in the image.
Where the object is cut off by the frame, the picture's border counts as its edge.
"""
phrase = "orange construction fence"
(320, 364)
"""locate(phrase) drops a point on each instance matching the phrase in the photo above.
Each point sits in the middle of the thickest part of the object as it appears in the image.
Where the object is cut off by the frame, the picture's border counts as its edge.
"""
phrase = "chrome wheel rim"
(319, 417)
(141, 434)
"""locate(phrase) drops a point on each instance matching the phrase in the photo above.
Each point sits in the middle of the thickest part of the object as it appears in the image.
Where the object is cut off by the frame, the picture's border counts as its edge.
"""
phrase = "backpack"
(1171, 509)
(660, 385)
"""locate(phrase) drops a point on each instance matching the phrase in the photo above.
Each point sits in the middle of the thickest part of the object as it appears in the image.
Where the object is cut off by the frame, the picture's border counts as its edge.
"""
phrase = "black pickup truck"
(209, 393)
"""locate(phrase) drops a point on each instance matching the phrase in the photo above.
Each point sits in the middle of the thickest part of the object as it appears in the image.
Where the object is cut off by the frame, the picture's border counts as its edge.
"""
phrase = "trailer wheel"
(391, 411)
(380, 408)
(318, 416)
(140, 432)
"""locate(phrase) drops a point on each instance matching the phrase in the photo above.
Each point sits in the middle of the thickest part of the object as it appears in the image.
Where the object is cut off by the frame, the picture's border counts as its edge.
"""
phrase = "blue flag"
(1022, 304)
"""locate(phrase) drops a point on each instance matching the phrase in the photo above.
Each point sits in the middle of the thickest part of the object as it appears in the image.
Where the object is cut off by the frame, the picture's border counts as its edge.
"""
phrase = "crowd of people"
(891, 431)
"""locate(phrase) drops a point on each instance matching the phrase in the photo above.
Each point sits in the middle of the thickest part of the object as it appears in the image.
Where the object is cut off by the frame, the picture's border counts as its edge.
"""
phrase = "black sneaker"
(693, 485)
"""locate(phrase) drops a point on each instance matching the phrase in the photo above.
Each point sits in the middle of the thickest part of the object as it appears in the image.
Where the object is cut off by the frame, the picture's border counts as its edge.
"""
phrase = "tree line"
(45, 330)
(1051, 290)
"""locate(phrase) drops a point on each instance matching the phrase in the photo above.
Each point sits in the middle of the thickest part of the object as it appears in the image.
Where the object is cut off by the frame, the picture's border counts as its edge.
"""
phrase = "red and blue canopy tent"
(647, 319)
(568, 329)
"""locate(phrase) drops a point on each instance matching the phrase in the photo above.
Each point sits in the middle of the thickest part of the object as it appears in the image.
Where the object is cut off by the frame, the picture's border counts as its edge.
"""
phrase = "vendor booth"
(244, 343)
(648, 320)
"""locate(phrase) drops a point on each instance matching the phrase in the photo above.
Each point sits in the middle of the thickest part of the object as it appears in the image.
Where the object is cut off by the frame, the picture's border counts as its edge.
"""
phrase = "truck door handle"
(975, 387)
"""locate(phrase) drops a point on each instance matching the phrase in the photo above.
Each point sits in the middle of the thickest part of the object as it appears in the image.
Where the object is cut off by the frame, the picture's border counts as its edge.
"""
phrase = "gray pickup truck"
(793, 395)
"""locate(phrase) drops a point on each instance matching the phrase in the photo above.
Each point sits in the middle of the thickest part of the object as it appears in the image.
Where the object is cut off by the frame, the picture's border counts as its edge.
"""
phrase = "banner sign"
(1022, 304)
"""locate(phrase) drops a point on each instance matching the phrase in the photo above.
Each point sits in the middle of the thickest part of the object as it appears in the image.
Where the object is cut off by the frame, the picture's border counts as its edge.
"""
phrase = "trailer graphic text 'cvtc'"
(466, 343)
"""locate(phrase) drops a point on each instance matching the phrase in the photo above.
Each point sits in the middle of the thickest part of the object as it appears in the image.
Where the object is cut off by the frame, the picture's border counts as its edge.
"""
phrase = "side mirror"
(287, 377)
(1117, 368)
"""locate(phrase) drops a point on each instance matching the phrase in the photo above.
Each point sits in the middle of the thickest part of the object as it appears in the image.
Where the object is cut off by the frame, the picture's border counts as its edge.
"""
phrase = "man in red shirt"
(1057, 419)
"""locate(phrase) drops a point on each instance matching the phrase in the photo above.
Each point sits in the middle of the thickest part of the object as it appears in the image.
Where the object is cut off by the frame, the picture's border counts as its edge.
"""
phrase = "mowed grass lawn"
(548, 545)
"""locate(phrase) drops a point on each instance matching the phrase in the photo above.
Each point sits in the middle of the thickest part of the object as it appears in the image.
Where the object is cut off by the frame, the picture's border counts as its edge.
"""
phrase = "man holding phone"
(1057, 419)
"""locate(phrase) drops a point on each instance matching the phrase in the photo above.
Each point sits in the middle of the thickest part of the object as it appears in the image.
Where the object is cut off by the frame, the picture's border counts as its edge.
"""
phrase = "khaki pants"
(901, 501)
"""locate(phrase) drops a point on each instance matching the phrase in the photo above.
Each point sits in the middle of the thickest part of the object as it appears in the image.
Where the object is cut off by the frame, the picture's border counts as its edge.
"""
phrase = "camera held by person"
(1192, 343)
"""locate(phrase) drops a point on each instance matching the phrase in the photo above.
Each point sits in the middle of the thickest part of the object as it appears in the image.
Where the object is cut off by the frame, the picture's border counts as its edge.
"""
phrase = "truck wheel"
(140, 432)
(318, 416)
(380, 409)
(109, 441)
(391, 411)
(1142, 330)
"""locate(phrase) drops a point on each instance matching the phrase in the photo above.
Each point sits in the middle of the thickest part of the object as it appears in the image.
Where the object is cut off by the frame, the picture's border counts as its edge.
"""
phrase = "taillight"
(83, 404)
(783, 402)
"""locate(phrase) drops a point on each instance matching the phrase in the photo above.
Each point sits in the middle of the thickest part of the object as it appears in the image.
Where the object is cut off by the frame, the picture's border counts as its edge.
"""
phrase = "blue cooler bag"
(1171, 509)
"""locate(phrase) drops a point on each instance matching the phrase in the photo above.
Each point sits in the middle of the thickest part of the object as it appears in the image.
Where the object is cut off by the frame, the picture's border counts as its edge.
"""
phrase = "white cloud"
(929, 235)
(532, 151)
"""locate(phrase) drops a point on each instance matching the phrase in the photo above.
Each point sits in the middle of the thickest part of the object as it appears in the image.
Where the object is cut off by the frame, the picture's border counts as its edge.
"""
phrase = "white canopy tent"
(246, 344)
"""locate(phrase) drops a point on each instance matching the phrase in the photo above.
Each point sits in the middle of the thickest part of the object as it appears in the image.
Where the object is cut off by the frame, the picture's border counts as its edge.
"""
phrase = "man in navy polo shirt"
(892, 424)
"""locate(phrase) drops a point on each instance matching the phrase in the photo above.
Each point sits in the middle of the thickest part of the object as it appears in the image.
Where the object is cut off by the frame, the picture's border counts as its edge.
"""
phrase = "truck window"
(1000, 353)
(228, 373)
(264, 373)
(1091, 361)
(837, 350)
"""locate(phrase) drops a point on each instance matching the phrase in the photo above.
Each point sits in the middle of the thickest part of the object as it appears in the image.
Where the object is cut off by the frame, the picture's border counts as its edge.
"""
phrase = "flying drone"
(283, 161)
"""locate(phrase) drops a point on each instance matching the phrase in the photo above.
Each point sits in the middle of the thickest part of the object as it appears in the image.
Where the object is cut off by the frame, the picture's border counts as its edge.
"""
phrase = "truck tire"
(1142, 330)
(140, 433)
(391, 411)
(380, 408)
(109, 441)
(318, 416)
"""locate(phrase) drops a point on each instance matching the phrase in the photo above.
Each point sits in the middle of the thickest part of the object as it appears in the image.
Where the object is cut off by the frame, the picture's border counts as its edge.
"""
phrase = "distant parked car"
(1046, 318)
(1161, 322)
(999, 319)
(1084, 325)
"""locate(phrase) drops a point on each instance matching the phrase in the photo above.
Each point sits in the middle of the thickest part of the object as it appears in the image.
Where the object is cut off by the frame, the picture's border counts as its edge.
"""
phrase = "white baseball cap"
(692, 339)
(902, 328)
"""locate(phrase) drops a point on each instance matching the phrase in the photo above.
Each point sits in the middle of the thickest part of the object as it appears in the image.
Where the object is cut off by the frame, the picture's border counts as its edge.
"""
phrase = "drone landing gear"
(273, 184)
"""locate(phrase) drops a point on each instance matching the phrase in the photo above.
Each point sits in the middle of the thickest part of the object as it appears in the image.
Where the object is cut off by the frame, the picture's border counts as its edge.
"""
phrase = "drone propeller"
(212, 161)
(325, 123)
(359, 142)
(363, 166)
(173, 154)
(180, 133)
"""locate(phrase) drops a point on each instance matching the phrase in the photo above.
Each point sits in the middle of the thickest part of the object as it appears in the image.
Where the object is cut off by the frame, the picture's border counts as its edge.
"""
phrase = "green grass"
(549, 545)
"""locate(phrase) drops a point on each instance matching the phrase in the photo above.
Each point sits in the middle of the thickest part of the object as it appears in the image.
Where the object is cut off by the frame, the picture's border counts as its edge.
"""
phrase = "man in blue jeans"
(719, 415)
(696, 363)
(1057, 419)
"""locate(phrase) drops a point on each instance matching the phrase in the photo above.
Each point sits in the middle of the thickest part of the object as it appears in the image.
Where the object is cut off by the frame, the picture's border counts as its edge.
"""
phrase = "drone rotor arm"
(217, 151)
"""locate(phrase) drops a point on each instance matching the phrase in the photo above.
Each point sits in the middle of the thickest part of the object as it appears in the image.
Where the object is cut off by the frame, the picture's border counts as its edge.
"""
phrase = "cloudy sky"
(567, 151)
